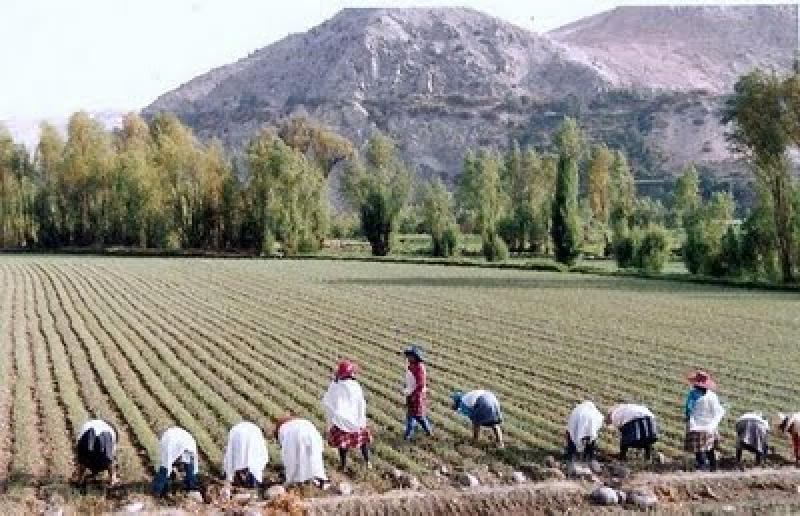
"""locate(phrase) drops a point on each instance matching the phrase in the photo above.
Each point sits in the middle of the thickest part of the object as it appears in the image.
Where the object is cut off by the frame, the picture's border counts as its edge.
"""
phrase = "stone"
(54, 511)
(468, 480)
(579, 471)
(551, 462)
(596, 467)
(275, 492)
(519, 477)
(195, 496)
(133, 507)
(604, 496)
(344, 488)
(242, 497)
(554, 474)
(644, 499)
(617, 470)
(444, 470)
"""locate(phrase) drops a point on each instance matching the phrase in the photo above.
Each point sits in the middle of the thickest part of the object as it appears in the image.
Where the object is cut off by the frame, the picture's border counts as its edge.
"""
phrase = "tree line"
(155, 185)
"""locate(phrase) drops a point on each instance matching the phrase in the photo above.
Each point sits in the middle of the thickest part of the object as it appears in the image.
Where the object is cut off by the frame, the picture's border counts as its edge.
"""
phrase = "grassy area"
(150, 342)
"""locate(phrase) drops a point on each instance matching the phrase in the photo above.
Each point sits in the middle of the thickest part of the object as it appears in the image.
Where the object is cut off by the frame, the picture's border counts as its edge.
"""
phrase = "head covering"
(346, 369)
(280, 422)
(414, 351)
(456, 397)
(702, 379)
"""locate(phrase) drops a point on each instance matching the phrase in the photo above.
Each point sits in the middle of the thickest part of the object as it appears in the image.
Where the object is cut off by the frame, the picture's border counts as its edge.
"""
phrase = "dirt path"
(762, 491)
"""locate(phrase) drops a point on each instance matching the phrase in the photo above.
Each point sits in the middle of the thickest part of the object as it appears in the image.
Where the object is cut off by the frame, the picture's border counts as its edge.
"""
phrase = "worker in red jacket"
(416, 392)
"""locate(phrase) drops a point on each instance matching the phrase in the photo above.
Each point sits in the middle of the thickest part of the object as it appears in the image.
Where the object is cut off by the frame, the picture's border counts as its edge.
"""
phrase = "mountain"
(441, 80)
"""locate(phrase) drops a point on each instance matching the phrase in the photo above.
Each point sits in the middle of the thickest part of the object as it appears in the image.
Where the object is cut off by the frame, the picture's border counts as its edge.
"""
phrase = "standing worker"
(483, 409)
(301, 451)
(583, 427)
(752, 435)
(789, 425)
(346, 414)
(245, 456)
(637, 428)
(416, 393)
(178, 455)
(703, 413)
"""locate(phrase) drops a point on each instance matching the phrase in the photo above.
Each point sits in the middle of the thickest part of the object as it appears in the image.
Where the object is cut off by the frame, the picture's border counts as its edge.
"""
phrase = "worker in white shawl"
(95, 452)
(583, 427)
(346, 414)
(752, 434)
(178, 454)
(245, 456)
(301, 451)
(704, 413)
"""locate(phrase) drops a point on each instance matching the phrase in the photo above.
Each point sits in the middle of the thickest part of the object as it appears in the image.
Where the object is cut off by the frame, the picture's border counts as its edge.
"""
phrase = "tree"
(599, 182)
(761, 114)
(47, 165)
(378, 187)
(623, 191)
(318, 143)
(439, 218)
(481, 199)
(566, 231)
(287, 194)
(686, 197)
(705, 229)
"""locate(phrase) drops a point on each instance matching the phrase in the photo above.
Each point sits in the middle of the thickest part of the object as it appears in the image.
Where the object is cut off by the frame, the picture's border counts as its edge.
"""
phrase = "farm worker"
(583, 426)
(790, 426)
(178, 452)
(416, 393)
(483, 409)
(703, 413)
(346, 414)
(637, 428)
(751, 435)
(95, 451)
(245, 456)
(301, 451)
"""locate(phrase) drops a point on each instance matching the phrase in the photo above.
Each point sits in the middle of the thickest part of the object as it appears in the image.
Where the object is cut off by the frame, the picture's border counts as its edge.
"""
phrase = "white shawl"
(345, 406)
(707, 414)
(627, 412)
(99, 426)
(584, 421)
(246, 450)
(301, 451)
(177, 443)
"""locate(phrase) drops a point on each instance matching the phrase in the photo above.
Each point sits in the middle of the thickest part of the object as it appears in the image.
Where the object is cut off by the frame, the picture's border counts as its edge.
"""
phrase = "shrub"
(652, 251)
(495, 249)
(447, 244)
(625, 251)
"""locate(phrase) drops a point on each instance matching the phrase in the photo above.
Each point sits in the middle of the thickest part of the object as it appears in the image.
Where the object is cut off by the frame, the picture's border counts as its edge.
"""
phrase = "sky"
(60, 56)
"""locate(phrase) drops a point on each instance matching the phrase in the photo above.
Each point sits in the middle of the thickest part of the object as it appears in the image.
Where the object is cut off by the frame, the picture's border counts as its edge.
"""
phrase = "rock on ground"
(580, 471)
(551, 462)
(643, 499)
(275, 491)
(596, 467)
(604, 496)
(133, 507)
(618, 470)
(345, 488)
(519, 477)
(468, 480)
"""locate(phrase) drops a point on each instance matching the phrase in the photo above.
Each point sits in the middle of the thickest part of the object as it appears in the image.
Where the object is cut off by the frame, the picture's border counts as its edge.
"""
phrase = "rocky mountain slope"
(441, 80)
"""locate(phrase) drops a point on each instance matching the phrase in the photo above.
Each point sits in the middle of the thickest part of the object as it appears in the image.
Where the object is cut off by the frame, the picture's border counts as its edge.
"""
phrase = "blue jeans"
(411, 424)
(161, 480)
(588, 450)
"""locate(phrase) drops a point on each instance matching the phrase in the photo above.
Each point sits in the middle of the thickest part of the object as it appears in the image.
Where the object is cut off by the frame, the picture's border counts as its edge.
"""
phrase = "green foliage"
(686, 197)
(379, 189)
(705, 229)
(623, 191)
(566, 230)
(439, 218)
(602, 160)
(482, 201)
(652, 250)
(494, 249)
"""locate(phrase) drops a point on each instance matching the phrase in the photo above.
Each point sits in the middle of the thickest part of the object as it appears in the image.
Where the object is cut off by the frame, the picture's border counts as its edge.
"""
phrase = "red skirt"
(417, 404)
(338, 438)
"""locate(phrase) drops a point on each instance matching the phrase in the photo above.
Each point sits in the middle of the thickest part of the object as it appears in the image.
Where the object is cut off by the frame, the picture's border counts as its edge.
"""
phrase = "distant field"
(149, 343)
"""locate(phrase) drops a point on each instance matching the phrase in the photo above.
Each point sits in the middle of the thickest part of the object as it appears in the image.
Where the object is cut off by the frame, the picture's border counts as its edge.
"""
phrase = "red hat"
(702, 379)
(345, 369)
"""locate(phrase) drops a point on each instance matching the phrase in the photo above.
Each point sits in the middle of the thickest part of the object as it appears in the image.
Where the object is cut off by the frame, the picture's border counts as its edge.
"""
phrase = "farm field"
(150, 343)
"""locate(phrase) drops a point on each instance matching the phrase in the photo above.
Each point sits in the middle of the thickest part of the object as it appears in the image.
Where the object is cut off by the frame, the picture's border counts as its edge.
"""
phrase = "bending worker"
(637, 428)
(245, 456)
(178, 455)
(301, 451)
(583, 427)
(95, 452)
(483, 410)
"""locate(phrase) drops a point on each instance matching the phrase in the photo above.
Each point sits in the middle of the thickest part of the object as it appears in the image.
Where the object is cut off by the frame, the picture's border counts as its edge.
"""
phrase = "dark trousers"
(589, 450)
(706, 461)
(758, 453)
(162, 478)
